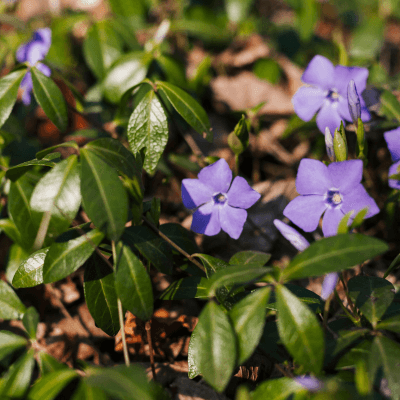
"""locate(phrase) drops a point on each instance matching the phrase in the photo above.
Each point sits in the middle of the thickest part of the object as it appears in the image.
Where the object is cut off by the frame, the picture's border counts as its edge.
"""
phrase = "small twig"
(288, 374)
(326, 312)
(149, 340)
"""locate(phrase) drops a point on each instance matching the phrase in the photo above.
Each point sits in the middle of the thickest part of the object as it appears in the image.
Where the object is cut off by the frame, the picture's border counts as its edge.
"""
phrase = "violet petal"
(43, 35)
(21, 53)
(345, 175)
(393, 142)
(358, 199)
(343, 75)
(195, 193)
(331, 220)
(307, 101)
(394, 183)
(217, 176)
(241, 194)
(298, 241)
(206, 220)
(44, 69)
(328, 116)
(319, 72)
(232, 220)
(329, 284)
(309, 382)
(312, 177)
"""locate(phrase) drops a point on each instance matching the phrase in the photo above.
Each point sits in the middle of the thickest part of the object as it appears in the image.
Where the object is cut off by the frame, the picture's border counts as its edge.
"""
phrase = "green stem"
(326, 311)
(346, 311)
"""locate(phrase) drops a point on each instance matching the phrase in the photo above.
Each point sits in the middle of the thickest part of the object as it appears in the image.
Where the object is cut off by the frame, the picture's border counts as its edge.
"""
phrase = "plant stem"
(326, 312)
(149, 340)
(346, 311)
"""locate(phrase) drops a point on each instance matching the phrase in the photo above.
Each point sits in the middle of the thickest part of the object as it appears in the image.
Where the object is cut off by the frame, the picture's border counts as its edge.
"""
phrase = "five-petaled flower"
(332, 190)
(217, 203)
(327, 93)
(32, 52)
(393, 141)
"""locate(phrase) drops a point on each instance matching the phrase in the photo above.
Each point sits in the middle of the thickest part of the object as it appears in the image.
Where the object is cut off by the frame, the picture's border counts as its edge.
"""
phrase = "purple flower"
(32, 52)
(309, 382)
(298, 241)
(327, 93)
(329, 284)
(354, 102)
(329, 144)
(332, 190)
(217, 203)
(393, 141)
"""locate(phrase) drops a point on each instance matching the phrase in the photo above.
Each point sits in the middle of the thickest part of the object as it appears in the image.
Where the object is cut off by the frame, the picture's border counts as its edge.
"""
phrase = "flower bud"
(290, 234)
(329, 144)
(354, 102)
(329, 284)
(340, 144)
(309, 382)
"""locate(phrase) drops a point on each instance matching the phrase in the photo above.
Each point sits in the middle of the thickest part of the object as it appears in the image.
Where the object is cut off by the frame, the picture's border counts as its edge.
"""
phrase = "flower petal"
(35, 52)
(394, 183)
(241, 194)
(329, 284)
(345, 175)
(319, 72)
(298, 241)
(305, 211)
(365, 115)
(307, 101)
(357, 199)
(312, 177)
(331, 220)
(232, 220)
(393, 142)
(43, 35)
(343, 75)
(206, 220)
(195, 193)
(217, 176)
(44, 69)
(21, 53)
(328, 116)
(26, 86)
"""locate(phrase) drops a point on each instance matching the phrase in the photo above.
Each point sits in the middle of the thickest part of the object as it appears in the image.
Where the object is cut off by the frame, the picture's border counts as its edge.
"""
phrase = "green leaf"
(173, 70)
(16, 256)
(333, 254)
(371, 295)
(58, 195)
(50, 385)
(30, 272)
(348, 337)
(237, 10)
(101, 48)
(255, 258)
(31, 321)
(11, 306)
(85, 392)
(299, 330)
(100, 295)
(391, 324)
(50, 98)
(277, 389)
(248, 319)
(66, 257)
(9, 228)
(152, 247)
(394, 264)
(390, 106)
(48, 363)
(190, 110)
(128, 71)
(103, 195)
(9, 85)
(10, 342)
(352, 357)
(193, 287)
(386, 354)
(43, 153)
(127, 8)
(133, 283)
(18, 378)
(180, 236)
(148, 128)
(216, 348)
(268, 69)
(211, 264)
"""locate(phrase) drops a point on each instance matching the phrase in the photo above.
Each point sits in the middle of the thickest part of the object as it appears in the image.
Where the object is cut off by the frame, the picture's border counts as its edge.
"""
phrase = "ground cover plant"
(199, 200)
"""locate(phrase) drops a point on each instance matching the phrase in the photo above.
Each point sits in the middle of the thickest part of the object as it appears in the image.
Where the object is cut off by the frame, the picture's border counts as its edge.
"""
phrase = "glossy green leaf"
(333, 254)
(385, 353)
(48, 363)
(390, 106)
(190, 110)
(173, 70)
(194, 355)
(85, 392)
(50, 385)
(66, 257)
(148, 128)
(18, 377)
(299, 330)
(371, 295)
(127, 8)
(243, 393)
(50, 98)
(276, 389)
(103, 195)
(30, 272)
(8, 226)
(43, 153)
(211, 264)
(216, 352)
(268, 69)
(11, 306)
(193, 287)
(393, 265)
(9, 85)
(352, 356)
(10, 342)
(248, 319)
(58, 194)
(255, 258)
(16, 256)
(31, 321)
(180, 236)
(391, 324)
(133, 283)
(101, 48)
(152, 247)
(100, 295)
(128, 71)
(348, 337)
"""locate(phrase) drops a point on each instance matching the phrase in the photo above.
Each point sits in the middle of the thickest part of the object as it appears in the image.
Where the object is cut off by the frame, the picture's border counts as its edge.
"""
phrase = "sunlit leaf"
(11, 306)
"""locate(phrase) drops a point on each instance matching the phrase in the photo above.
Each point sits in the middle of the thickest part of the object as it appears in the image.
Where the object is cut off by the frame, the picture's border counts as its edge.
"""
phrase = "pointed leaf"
(181, 236)
(190, 110)
(248, 319)
(30, 272)
(9, 85)
(211, 264)
(391, 324)
(250, 257)
(148, 128)
(348, 337)
(103, 195)
(10, 342)
(64, 258)
(333, 254)
(193, 287)
(11, 306)
(299, 330)
(85, 392)
(276, 389)
(100, 295)
(16, 256)
(8, 226)
(31, 321)
(50, 98)
(133, 284)
(48, 363)
(43, 153)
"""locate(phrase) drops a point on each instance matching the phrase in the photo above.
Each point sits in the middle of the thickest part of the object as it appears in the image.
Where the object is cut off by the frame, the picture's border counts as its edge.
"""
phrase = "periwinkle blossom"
(354, 102)
(33, 52)
(218, 204)
(326, 93)
(329, 285)
(331, 191)
(393, 142)
(310, 383)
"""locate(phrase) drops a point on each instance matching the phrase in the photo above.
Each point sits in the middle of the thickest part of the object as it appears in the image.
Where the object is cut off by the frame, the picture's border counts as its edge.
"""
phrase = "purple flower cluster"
(393, 141)
(326, 93)
(218, 204)
(33, 52)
